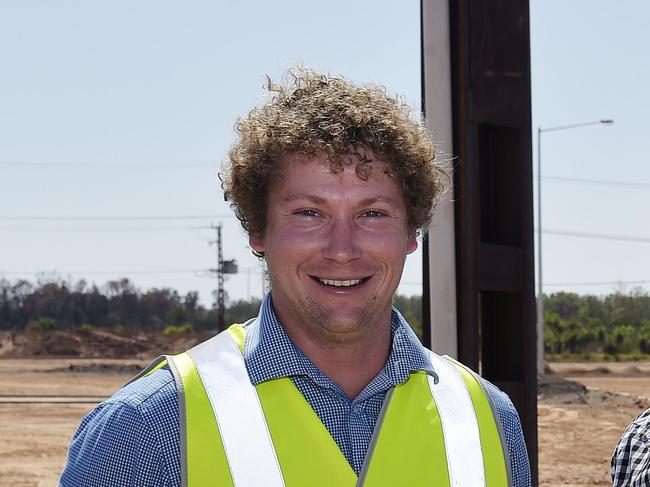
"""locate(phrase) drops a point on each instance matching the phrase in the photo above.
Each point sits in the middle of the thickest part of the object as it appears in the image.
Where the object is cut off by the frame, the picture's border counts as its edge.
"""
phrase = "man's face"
(335, 247)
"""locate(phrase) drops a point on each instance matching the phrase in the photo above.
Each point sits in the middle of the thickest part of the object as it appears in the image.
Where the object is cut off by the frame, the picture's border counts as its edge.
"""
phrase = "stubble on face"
(320, 323)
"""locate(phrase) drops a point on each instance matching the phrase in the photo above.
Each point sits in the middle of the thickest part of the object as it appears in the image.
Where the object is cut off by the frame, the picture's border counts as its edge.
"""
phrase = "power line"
(187, 165)
(601, 236)
(100, 229)
(106, 166)
(108, 273)
(122, 272)
(114, 218)
(563, 233)
(605, 283)
(601, 182)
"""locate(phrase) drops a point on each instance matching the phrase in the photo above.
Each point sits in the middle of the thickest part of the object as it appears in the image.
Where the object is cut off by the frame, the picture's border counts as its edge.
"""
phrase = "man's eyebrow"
(302, 196)
(380, 199)
(365, 202)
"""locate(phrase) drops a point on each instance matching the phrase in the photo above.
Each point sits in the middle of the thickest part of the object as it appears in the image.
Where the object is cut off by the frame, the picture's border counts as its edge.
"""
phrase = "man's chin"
(345, 325)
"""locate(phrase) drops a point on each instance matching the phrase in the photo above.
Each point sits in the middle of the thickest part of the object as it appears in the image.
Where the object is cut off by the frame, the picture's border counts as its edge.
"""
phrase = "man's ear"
(256, 241)
(412, 243)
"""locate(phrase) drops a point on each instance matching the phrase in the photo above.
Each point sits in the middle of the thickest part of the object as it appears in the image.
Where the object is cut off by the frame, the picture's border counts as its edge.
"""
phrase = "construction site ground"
(583, 410)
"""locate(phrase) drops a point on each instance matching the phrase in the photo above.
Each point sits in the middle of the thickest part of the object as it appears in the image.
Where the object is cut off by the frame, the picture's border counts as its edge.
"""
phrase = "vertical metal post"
(540, 282)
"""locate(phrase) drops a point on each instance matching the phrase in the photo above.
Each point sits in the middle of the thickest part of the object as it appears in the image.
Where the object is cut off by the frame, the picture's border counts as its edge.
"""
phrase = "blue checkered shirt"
(133, 437)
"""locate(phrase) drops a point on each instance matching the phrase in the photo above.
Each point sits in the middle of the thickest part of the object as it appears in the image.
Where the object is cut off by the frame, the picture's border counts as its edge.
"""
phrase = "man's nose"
(342, 242)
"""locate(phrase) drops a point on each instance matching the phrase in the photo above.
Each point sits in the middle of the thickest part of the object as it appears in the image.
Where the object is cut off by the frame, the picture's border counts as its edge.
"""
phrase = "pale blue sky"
(590, 62)
(126, 109)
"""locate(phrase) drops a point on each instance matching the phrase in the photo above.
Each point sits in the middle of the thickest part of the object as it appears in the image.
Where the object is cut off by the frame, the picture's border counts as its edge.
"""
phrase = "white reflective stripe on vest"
(245, 435)
(459, 425)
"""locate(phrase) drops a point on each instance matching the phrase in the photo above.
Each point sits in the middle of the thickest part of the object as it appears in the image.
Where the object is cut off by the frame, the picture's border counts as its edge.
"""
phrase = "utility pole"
(223, 267)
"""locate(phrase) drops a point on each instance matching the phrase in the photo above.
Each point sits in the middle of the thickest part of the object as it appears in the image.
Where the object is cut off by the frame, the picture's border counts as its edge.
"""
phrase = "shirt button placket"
(359, 434)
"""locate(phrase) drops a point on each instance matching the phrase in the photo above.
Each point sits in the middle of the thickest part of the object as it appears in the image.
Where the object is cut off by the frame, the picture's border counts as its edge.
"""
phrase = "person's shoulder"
(504, 409)
(500, 401)
(630, 464)
(133, 437)
(508, 424)
(510, 428)
(151, 400)
(155, 390)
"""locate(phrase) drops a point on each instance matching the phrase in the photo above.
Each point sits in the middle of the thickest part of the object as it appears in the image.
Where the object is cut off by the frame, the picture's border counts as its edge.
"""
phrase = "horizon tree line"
(575, 324)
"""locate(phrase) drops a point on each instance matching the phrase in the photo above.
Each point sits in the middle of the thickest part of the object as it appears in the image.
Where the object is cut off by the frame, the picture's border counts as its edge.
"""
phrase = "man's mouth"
(338, 283)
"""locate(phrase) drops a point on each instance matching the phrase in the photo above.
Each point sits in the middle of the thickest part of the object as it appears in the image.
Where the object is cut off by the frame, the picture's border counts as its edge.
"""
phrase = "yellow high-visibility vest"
(432, 431)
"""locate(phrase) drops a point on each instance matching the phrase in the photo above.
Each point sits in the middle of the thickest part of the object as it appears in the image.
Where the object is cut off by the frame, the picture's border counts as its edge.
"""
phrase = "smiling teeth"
(332, 282)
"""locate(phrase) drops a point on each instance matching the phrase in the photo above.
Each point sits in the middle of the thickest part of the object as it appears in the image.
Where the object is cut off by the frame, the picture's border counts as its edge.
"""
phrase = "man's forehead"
(316, 179)
(363, 161)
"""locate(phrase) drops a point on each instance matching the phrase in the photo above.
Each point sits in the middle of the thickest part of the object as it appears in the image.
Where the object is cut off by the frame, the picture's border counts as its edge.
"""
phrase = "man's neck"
(351, 364)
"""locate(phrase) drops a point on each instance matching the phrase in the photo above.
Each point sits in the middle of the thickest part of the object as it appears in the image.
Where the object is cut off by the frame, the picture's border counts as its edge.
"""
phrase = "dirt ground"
(578, 429)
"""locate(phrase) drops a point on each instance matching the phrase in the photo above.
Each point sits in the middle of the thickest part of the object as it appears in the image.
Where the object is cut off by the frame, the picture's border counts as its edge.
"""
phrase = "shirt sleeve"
(631, 458)
(114, 445)
(514, 436)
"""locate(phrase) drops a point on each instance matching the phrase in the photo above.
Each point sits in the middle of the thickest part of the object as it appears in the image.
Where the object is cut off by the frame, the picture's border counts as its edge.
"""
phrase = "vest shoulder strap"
(223, 374)
(459, 424)
(496, 460)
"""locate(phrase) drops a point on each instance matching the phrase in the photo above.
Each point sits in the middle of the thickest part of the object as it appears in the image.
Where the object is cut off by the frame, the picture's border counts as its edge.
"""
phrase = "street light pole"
(540, 282)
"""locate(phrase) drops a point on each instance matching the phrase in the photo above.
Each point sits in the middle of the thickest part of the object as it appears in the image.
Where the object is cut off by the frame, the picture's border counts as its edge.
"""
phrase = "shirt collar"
(269, 353)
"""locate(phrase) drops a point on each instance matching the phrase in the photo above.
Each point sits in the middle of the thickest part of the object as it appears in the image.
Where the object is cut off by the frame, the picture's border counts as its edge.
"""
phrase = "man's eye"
(373, 213)
(307, 213)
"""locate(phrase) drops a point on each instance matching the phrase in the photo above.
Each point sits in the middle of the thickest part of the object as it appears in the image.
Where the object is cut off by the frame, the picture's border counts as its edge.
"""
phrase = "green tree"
(42, 324)
(241, 310)
(553, 329)
(411, 309)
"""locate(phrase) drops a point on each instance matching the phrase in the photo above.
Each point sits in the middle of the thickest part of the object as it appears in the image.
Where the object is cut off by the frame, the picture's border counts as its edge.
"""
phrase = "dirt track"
(575, 440)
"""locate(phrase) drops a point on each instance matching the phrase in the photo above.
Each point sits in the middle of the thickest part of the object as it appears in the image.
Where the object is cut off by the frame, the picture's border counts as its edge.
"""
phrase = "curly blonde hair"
(314, 113)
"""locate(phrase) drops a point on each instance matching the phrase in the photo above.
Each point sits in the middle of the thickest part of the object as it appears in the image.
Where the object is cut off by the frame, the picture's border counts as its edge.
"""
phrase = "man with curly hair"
(328, 385)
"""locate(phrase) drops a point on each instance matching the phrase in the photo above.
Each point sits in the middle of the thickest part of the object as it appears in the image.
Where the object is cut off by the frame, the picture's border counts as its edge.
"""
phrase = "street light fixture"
(540, 288)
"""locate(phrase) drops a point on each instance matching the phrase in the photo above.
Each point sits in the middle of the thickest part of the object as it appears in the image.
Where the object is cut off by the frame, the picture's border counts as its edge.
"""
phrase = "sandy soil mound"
(95, 343)
(553, 389)
(633, 371)
(597, 371)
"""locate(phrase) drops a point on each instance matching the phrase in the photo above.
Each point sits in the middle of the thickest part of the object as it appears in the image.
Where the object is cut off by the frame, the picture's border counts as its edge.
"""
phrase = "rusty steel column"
(489, 45)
